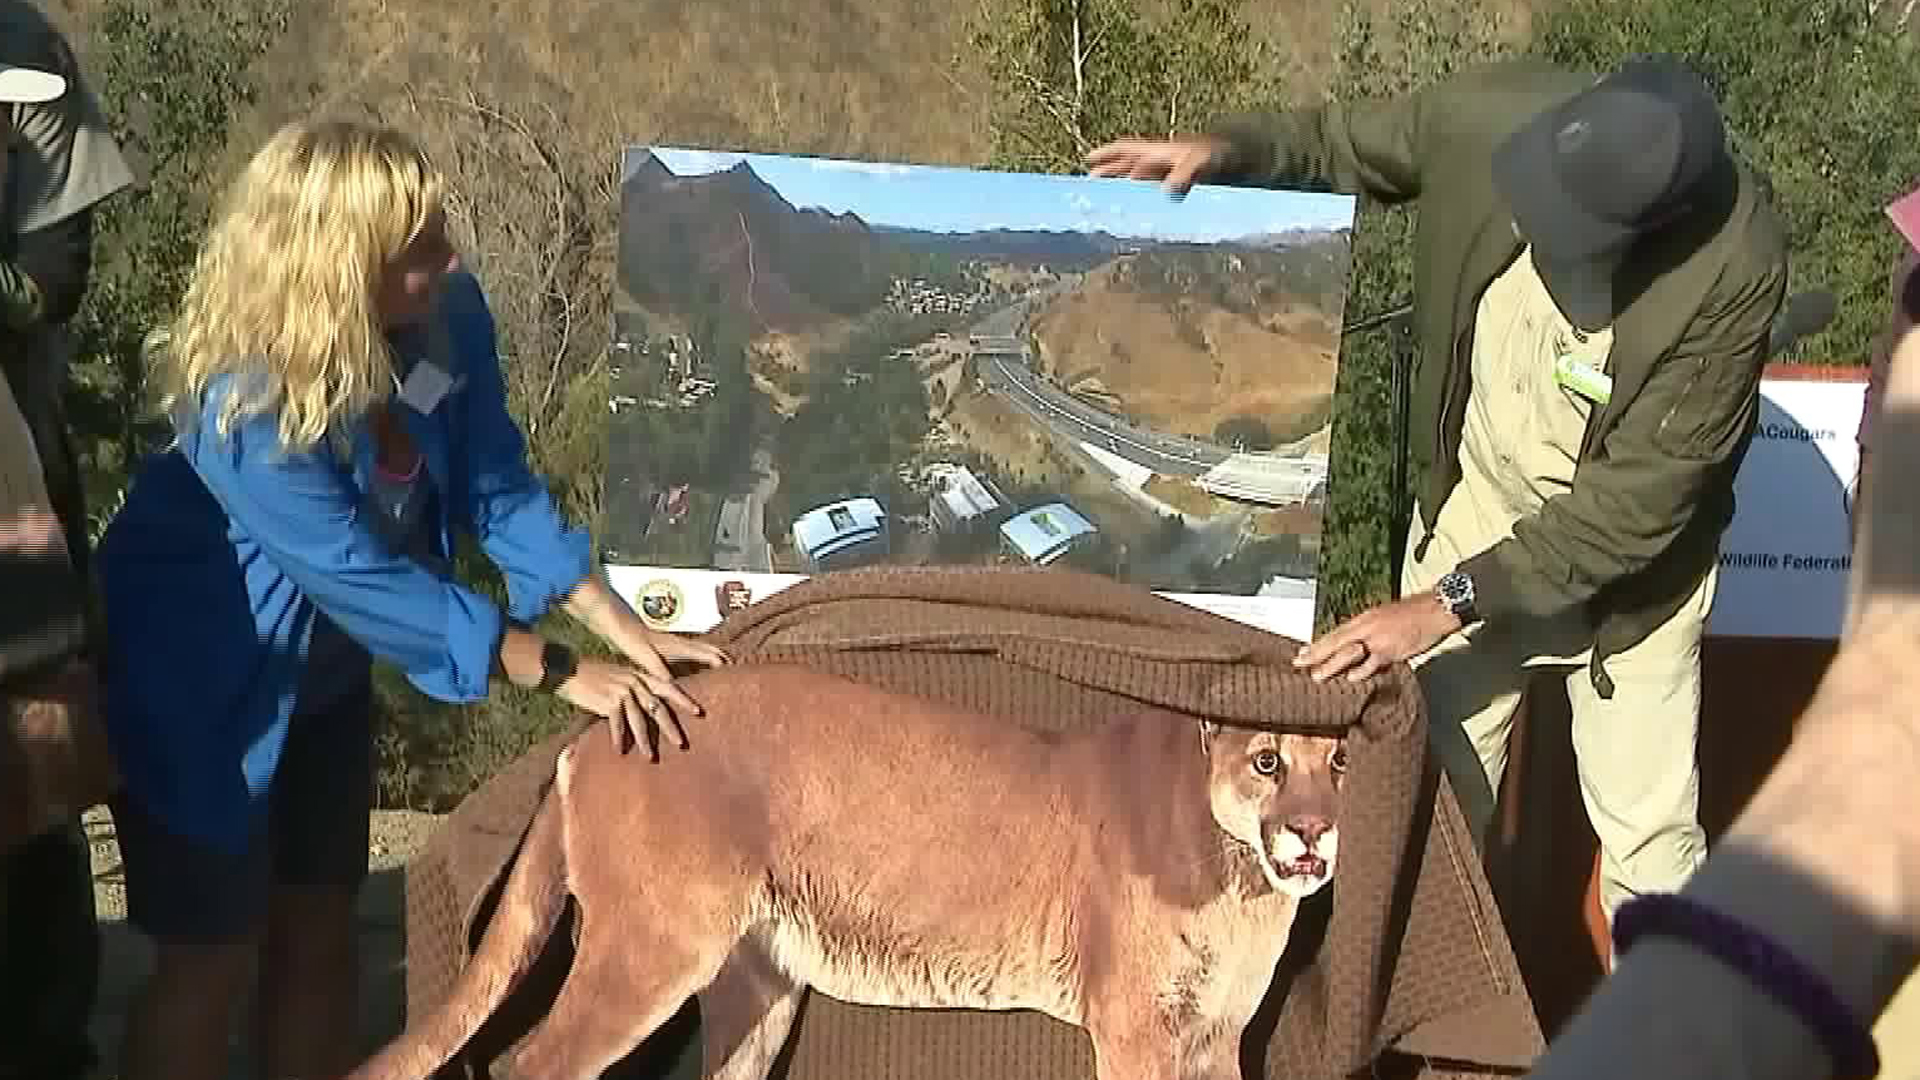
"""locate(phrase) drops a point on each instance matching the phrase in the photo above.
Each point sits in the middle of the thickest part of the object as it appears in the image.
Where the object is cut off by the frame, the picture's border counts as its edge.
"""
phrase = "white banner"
(1785, 559)
(688, 600)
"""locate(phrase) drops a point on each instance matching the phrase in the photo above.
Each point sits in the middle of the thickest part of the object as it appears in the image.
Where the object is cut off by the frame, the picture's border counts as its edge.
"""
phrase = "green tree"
(171, 76)
(1428, 39)
(1075, 73)
(1819, 95)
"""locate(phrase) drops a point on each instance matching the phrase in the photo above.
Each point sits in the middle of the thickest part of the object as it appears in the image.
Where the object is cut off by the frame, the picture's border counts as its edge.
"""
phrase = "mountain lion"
(1137, 879)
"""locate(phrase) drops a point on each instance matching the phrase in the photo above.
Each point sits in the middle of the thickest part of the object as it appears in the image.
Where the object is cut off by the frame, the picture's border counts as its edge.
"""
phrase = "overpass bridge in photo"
(997, 345)
(1271, 479)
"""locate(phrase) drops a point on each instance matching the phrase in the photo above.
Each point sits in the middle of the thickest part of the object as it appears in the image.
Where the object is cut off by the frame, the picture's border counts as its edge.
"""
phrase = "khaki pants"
(1635, 753)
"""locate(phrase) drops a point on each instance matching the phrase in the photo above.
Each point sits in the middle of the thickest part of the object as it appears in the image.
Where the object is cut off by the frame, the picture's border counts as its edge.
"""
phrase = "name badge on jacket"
(1583, 379)
(427, 385)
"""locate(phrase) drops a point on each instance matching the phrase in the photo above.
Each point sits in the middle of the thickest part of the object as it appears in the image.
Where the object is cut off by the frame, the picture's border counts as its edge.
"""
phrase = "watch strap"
(557, 665)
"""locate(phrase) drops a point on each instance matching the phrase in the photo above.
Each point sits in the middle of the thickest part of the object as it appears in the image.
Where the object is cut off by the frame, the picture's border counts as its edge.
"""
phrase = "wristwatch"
(557, 665)
(1455, 590)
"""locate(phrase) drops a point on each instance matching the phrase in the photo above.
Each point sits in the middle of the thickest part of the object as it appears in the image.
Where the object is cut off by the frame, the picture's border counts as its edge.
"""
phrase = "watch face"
(557, 663)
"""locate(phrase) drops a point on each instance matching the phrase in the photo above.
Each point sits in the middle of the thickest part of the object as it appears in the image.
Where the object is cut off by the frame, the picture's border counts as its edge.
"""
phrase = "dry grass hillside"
(883, 78)
(512, 92)
(1182, 360)
(529, 104)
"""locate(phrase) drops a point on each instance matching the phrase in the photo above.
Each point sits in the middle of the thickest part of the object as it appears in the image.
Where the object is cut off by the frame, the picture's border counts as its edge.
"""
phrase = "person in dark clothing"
(59, 163)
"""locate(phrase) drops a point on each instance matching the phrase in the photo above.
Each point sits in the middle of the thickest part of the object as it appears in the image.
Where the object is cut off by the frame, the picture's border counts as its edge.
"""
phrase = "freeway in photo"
(1007, 369)
(1005, 364)
(1065, 415)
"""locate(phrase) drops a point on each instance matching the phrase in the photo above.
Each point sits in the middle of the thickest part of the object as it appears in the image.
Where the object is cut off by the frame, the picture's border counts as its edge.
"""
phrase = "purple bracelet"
(1766, 964)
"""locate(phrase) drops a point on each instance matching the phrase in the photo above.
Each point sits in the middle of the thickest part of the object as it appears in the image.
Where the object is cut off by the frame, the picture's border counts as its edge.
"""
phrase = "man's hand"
(1379, 636)
(1177, 163)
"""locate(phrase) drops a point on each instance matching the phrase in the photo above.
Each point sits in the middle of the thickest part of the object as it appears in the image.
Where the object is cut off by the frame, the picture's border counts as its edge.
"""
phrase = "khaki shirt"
(1521, 437)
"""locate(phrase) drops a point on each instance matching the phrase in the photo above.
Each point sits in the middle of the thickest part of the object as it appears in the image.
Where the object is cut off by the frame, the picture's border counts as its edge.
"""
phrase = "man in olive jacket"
(1595, 278)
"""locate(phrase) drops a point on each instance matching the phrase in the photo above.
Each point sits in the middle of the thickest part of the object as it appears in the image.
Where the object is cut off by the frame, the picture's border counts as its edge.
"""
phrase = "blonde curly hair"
(286, 282)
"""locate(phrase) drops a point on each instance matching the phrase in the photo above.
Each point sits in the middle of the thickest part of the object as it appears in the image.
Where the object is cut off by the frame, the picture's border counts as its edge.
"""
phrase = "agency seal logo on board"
(661, 602)
(731, 596)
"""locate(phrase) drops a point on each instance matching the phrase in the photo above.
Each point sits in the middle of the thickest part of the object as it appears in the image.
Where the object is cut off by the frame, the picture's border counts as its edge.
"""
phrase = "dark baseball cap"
(1600, 169)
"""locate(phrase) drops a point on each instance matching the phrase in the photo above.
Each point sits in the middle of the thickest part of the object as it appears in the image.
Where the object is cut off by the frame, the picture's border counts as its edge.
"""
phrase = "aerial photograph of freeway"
(824, 363)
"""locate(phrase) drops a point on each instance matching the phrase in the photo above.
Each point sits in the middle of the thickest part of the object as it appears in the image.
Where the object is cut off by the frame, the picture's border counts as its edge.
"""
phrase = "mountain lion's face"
(1279, 794)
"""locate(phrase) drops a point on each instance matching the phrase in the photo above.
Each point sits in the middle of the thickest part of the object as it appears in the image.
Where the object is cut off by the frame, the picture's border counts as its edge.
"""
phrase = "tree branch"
(1052, 101)
(558, 245)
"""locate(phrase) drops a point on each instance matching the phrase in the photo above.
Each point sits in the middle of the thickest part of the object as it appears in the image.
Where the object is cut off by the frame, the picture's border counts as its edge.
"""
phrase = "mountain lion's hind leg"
(1212, 1053)
(746, 1015)
(1141, 1052)
(623, 986)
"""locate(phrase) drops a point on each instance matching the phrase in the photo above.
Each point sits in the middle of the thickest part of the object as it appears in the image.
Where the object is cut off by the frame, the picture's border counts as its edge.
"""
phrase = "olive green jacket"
(1653, 489)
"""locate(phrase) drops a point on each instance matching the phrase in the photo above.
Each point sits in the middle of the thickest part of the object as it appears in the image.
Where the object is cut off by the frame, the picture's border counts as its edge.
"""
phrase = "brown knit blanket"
(1407, 955)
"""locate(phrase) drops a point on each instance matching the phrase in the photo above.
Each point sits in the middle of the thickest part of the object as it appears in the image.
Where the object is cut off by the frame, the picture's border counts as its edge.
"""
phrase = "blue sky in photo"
(941, 199)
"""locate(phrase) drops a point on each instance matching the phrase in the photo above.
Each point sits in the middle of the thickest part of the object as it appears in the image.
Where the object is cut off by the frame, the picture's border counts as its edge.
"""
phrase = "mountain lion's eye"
(1266, 763)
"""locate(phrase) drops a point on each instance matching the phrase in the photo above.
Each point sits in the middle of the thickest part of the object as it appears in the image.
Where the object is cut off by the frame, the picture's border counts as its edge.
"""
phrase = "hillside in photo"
(728, 240)
(1193, 339)
(783, 366)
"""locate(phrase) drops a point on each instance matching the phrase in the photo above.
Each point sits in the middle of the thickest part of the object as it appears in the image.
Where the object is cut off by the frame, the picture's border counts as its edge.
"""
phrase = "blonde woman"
(333, 379)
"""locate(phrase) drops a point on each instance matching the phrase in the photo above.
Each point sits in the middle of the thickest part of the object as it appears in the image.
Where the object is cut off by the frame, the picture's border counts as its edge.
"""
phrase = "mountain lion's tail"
(530, 905)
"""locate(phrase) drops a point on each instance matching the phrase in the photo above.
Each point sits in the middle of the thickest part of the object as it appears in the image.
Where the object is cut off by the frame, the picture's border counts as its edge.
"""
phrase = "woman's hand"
(606, 614)
(653, 651)
(636, 704)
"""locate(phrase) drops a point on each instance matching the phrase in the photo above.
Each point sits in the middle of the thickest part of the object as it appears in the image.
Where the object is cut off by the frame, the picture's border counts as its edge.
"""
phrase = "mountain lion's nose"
(1309, 829)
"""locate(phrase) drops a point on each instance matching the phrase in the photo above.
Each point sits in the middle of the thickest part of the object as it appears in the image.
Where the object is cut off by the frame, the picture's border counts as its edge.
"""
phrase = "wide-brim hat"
(1593, 173)
(29, 86)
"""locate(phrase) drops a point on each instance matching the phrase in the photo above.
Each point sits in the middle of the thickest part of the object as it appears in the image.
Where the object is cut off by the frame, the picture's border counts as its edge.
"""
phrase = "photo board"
(823, 364)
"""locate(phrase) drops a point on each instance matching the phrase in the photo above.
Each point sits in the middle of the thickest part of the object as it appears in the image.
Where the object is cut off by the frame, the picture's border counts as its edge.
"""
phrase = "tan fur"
(1132, 880)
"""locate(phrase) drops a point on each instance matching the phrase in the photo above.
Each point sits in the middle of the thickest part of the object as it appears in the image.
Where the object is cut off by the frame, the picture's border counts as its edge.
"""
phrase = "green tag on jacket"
(1583, 379)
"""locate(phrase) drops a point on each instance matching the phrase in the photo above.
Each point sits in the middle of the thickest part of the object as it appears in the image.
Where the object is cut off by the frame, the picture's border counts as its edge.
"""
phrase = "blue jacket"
(212, 571)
